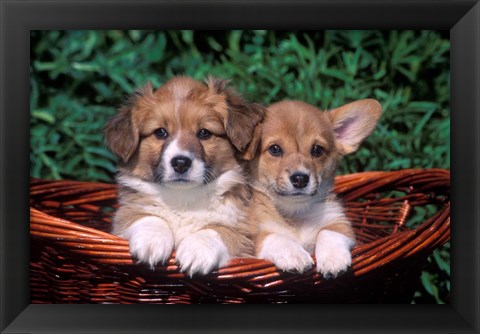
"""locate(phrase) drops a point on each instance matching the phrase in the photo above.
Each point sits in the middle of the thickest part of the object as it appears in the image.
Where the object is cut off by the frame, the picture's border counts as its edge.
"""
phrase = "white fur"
(333, 252)
(292, 206)
(202, 252)
(151, 240)
(285, 252)
(194, 174)
(188, 211)
(271, 226)
(289, 243)
(318, 217)
(305, 226)
(199, 198)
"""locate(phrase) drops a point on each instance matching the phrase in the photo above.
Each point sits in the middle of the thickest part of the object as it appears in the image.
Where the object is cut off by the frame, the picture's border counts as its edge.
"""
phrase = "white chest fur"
(306, 223)
(189, 210)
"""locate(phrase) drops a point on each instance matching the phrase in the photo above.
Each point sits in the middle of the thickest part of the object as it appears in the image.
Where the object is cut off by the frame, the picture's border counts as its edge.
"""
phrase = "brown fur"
(183, 106)
(239, 241)
(296, 127)
(129, 134)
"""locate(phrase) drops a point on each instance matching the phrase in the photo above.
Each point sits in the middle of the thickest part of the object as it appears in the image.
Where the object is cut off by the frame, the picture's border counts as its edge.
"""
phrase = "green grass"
(78, 78)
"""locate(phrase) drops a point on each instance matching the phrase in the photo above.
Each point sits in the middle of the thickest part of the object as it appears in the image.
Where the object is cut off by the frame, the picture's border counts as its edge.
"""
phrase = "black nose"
(299, 180)
(181, 164)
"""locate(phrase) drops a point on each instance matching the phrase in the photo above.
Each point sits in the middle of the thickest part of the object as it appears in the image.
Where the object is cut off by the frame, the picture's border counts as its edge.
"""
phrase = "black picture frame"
(18, 17)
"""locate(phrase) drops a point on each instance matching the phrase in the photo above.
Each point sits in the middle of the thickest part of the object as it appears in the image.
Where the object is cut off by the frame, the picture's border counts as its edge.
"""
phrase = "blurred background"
(79, 78)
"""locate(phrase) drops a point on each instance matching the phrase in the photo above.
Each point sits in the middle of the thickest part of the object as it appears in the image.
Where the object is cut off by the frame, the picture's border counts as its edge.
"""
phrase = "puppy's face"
(299, 146)
(183, 135)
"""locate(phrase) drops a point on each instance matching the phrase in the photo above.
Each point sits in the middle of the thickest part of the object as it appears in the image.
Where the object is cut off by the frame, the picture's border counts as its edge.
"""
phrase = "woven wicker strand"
(74, 258)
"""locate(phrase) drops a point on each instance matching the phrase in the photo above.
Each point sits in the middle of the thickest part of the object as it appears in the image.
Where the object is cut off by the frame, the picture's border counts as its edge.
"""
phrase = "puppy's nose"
(299, 180)
(181, 164)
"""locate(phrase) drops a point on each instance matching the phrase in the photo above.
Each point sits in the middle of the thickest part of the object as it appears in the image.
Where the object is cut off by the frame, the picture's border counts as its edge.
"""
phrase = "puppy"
(294, 156)
(181, 183)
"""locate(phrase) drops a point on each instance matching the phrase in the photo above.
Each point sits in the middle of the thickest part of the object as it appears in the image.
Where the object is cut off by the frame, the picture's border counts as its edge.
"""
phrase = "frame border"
(461, 17)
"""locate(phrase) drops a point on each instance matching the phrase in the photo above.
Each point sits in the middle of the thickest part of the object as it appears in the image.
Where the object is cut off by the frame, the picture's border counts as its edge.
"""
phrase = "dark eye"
(317, 150)
(204, 134)
(275, 150)
(161, 133)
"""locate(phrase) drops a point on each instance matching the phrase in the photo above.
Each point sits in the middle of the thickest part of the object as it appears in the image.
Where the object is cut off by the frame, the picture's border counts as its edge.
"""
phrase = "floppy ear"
(242, 117)
(353, 122)
(121, 134)
(251, 150)
(242, 120)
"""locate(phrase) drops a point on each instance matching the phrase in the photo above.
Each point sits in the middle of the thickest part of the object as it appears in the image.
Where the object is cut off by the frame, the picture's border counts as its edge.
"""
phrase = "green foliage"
(435, 280)
(79, 78)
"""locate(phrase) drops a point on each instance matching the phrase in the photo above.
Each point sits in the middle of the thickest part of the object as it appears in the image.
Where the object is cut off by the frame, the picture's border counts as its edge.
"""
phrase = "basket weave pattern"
(74, 258)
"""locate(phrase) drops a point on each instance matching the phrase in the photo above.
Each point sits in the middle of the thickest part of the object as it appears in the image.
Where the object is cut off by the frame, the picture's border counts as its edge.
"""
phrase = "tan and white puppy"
(181, 183)
(294, 156)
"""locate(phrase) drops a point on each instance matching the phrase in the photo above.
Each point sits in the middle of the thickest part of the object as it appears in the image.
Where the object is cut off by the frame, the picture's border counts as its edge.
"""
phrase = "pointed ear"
(242, 117)
(353, 122)
(121, 134)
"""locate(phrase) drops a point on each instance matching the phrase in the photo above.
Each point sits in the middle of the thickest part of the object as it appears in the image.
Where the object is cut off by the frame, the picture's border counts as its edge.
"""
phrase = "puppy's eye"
(317, 150)
(275, 150)
(161, 133)
(204, 134)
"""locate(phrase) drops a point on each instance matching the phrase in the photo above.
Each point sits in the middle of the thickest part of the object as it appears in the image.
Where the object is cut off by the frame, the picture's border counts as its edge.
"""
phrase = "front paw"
(201, 253)
(285, 253)
(332, 252)
(151, 241)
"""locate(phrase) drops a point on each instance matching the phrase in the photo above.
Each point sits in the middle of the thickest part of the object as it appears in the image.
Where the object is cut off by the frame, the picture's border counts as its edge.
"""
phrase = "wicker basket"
(75, 260)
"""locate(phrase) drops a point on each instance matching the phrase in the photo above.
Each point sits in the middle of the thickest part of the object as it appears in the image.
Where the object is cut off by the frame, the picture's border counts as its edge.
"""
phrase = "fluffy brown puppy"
(294, 156)
(182, 185)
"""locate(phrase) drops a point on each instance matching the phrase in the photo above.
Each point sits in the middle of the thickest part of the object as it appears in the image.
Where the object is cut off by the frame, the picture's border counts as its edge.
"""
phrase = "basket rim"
(103, 248)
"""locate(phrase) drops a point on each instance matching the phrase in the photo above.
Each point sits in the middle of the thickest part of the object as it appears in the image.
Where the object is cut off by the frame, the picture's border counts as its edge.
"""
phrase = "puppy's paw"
(202, 252)
(332, 252)
(285, 253)
(151, 240)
